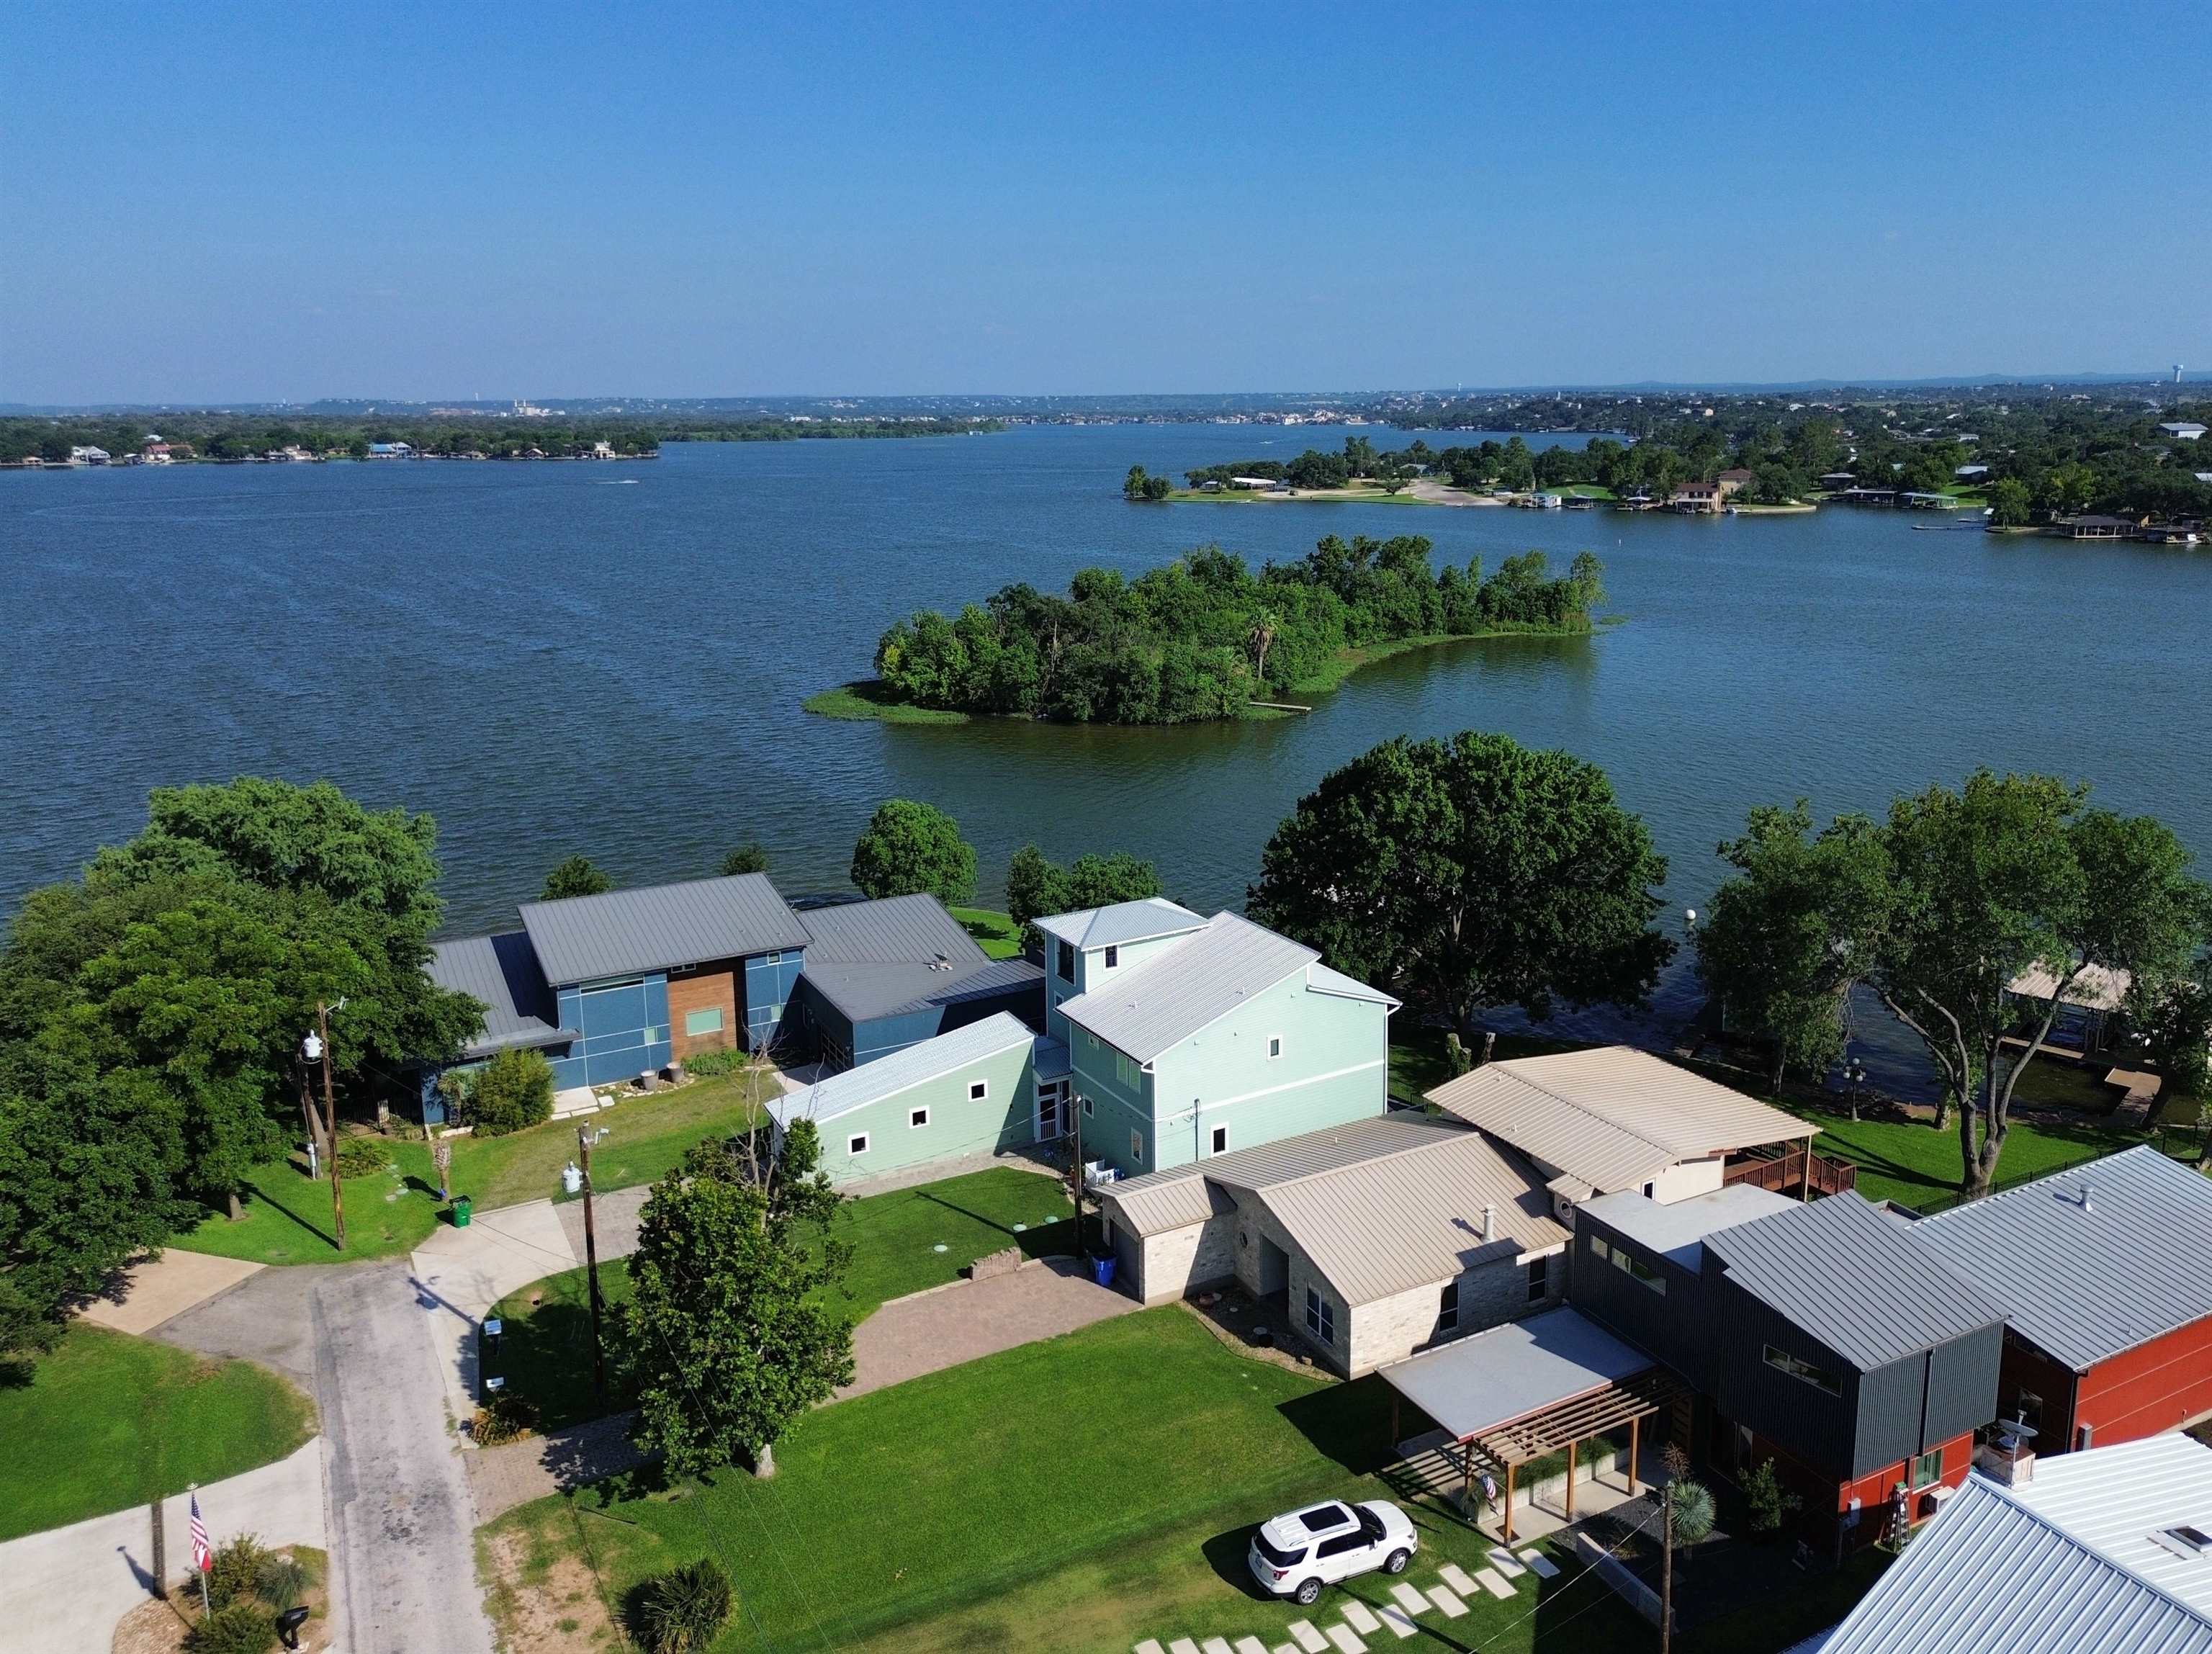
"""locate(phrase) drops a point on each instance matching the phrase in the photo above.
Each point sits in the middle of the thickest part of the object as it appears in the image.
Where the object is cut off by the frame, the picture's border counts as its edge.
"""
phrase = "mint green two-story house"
(1188, 1037)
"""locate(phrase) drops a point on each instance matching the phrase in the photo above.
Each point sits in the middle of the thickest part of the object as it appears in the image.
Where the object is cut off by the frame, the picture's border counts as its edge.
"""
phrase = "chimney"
(1490, 1223)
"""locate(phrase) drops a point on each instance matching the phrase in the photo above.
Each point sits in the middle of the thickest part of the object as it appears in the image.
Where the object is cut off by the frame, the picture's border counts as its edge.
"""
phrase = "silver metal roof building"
(625, 933)
(1508, 1372)
(2082, 1558)
(1856, 1279)
(1677, 1230)
(1614, 1118)
(917, 1065)
(501, 971)
(1123, 922)
(1163, 1000)
(1379, 1207)
(2092, 1260)
(905, 952)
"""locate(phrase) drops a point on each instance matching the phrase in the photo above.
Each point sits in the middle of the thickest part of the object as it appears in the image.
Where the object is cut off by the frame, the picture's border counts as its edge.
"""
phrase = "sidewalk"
(62, 1591)
(149, 1292)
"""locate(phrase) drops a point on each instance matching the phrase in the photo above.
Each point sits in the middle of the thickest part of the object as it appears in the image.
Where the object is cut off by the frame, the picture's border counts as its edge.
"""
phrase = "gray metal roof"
(1677, 1230)
(1613, 1116)
(501, 971)
(917, 1065)
(1123, 921)
(1856, 1279)
(903, 953)
(2063, 1564)
(1379, 1207)
(2084, 1283)
(1475, 1384)
(623, 932)
(1161, 1001)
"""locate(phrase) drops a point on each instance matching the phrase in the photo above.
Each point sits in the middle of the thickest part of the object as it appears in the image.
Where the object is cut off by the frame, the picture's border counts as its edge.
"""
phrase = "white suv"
(1296, 1555)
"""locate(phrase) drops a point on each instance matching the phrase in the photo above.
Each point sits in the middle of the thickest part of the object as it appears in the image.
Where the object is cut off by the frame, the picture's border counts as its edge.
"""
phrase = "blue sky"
(256, 202)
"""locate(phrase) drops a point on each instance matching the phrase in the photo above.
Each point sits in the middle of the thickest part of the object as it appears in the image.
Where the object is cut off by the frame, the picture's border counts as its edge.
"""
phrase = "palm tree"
(1265, 626)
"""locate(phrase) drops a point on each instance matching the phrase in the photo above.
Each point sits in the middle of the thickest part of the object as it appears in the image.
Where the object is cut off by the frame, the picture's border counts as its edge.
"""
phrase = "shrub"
(1693, 1512)
(235, 1570)
(240, 1628)
(1770, 1501)
(361, 1156)
(704, 1064)
(682, 1610)
(280, 1582)
(512, 1091)
(503, 1418)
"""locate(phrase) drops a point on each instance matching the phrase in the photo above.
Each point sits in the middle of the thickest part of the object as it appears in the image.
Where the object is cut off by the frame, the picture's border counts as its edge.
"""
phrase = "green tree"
(1037, 886)
(910, 847)
(2011, 505)
(1787, 936)
(1468, 873)
(730, 1330)
(2176, 1029)
(575, 877)
(747, 858)
(1772, 1503)
(2006, 874)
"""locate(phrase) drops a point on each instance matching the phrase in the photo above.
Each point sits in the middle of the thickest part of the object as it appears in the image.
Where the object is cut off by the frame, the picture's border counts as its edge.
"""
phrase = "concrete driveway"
(970, 1319)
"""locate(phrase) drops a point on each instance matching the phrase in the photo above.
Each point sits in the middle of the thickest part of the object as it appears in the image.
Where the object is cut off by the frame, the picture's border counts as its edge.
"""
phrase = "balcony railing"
(1795, 1171)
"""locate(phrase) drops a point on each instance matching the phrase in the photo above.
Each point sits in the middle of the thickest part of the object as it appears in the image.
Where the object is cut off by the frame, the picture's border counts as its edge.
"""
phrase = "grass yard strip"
(1911, 1162)
(546, 1350)
(109, 1421)
(996, 934)
(287, 1215)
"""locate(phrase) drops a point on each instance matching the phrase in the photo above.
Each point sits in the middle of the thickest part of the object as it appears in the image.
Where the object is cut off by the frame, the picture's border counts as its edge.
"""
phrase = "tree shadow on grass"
(262, 1197)
(546, 1359)
(1348, 1423)
(1056, 1238)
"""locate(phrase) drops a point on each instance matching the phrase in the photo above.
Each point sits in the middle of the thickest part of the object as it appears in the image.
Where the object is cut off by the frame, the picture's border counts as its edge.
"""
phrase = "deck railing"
(1788, 1174)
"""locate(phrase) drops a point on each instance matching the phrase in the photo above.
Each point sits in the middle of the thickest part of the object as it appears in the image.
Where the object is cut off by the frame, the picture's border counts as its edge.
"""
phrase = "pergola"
(1520, 1392)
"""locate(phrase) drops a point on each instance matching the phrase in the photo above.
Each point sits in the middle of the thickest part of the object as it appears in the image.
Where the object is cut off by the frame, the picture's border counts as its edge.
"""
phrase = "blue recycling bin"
(1101, 1271)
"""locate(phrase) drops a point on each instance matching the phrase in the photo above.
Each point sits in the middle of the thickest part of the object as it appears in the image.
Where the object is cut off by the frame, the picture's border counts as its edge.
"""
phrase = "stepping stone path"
(1361, 1616)
(1150, 1645)
(1448, 1599)
(1345, 1639)
(1308, 1639)
(1395, 1618)
(1543, 1564)
(1456, 1577)
(1502, 1560)
(1216, 1645)
(1409, 1599)
(1250, 1646)
(1183, 1645)
(1490, 1583)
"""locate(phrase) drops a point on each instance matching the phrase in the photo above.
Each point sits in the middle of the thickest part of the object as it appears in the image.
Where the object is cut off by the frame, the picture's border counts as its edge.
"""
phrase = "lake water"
(610, 658)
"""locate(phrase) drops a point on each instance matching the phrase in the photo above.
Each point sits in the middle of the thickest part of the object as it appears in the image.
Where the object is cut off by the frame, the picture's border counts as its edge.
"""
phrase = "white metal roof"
(1122, 922)
(1477, 1383)
(1676, 1230)
(2066, 1564)
(917, 1065)
(1613, 1116)
(2091, 1261)
(1156, 1003)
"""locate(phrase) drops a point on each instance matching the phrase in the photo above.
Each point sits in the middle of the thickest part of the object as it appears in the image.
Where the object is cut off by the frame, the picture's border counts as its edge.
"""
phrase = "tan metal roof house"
(1613, 1118)
(1370, 1240)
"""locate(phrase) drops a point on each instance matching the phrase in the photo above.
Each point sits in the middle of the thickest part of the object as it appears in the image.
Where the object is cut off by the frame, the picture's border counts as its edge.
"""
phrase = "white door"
(1051, 1109)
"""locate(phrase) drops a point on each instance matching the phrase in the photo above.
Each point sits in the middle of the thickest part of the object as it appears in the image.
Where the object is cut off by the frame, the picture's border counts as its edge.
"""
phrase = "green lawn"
(108, 1421)
(996, 934)
(1076, 1494)
(287, 1217)
(1912, 1163)
(864, 701)
(545, 1352)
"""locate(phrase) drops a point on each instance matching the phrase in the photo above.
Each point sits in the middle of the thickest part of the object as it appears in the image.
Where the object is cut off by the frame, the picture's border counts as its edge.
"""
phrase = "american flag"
(203, 1558)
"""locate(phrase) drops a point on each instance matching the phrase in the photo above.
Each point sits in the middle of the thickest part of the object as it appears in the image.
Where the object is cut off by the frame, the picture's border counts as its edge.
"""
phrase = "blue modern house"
(613, 986)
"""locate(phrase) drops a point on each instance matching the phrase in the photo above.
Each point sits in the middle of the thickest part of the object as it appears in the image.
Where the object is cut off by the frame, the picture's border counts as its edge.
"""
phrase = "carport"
(1518, 1393)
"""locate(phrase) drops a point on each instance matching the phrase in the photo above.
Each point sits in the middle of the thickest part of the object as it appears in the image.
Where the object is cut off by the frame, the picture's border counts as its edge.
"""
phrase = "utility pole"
(591, 1264)
(1075, 1169)
(1667, 1569)
(322, 1048)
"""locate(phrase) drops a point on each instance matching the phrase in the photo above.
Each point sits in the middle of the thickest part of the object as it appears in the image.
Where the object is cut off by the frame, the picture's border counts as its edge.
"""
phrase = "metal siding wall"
(1671, 1328)
(1814, 1425)
(957, 1126)
(1963, 1384)
(625, 1030)
(1026, 1002)
(766, 986)
(884, 1034)
(1888, 1416)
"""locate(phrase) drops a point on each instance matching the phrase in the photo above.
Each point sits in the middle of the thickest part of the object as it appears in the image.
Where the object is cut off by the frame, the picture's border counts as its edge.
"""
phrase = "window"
(917, 1117)
(1448, 1307)
(1276, 1554)
(1927, 1468)
(978, 1089)
(1648, 1187)
(1343, 1544)
(857, 1143)
(1113, 958)
(708, 1021)
(1540, 1279)
(1321, 1317)
(1600, 1250)
(1129, 1071)
(1066, 962)
(1089, 1107)
(772, 958)
(1221, 1140)
(1637, 1270)
(1797, 1367)
(1274, 1046)
(1137, 1146)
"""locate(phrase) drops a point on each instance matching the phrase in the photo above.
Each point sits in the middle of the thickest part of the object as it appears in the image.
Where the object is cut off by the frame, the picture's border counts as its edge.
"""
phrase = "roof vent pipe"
(1490, 1223)
(2086, 1193)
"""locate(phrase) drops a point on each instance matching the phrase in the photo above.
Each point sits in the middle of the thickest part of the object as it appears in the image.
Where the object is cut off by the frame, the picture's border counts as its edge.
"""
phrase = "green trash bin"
(461, 1210)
